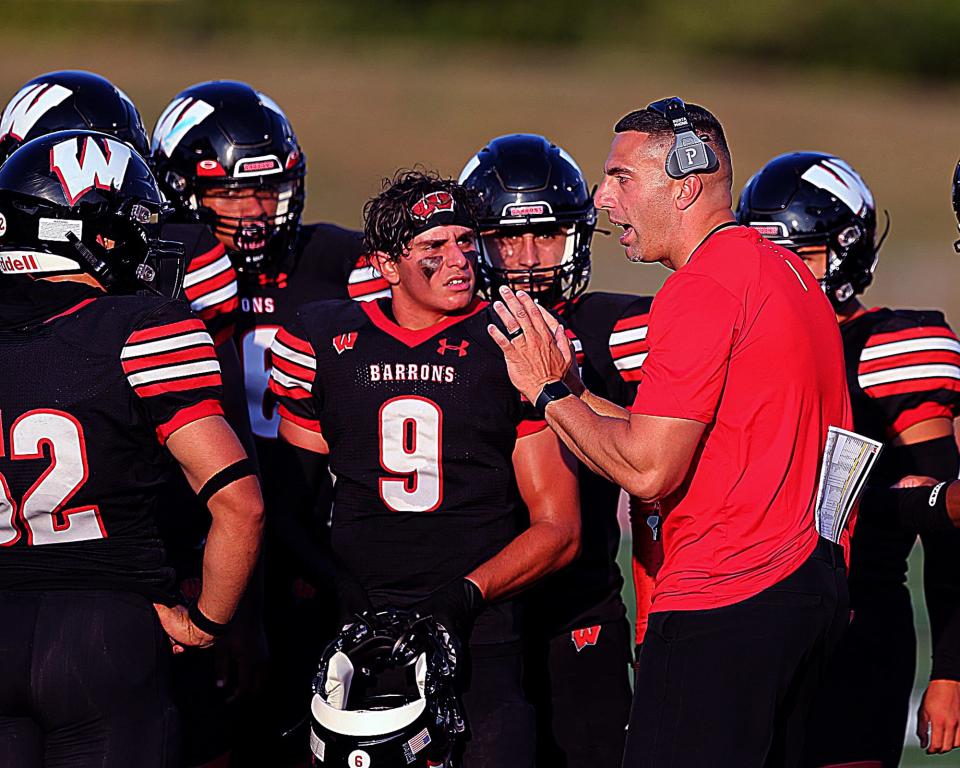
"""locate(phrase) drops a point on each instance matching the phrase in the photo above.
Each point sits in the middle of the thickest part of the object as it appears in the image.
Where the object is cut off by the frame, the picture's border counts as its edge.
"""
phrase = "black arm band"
(918, 510)
(239, 469)
(204, 623)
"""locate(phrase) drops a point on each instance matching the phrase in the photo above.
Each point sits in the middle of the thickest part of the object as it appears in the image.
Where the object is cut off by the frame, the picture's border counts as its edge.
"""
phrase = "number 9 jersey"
(421, 427)
(92, 387)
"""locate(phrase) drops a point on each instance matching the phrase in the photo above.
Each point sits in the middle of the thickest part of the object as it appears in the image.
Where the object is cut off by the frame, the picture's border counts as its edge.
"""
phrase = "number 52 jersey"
(421, 427)
(92, 387)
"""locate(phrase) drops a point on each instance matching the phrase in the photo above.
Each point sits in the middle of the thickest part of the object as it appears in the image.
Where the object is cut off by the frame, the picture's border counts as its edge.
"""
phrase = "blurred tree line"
(911, 38)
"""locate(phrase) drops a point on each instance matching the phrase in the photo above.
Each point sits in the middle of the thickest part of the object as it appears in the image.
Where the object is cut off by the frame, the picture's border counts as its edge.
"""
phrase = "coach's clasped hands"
(535, 346)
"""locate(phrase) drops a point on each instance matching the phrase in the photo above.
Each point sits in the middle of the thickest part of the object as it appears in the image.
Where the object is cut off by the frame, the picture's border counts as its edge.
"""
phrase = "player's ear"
(386, 266)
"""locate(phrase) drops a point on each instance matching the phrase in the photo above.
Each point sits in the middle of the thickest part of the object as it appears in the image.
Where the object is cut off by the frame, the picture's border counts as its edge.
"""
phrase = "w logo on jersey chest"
(344, 341)
(81, 167)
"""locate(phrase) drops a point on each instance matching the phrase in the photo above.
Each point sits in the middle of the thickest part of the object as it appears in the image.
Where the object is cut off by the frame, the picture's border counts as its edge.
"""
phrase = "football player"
(227, 157)
(903, 371)
(81, 100)
(433, 453)
(536, 225)
(104, 385)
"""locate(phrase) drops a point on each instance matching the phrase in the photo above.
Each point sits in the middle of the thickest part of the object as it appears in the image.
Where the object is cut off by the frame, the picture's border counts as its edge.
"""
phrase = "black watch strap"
(205, 623)
(554, 390)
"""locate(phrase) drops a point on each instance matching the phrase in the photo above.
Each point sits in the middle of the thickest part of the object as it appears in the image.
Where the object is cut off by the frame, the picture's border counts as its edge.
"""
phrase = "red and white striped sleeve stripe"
(170, 358)
(628, 346)
(294, 366)
(210, 284)
(365, 283)
(912, 360)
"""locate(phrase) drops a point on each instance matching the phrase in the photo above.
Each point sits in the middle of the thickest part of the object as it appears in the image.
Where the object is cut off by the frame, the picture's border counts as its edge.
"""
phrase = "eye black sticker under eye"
(430, 264)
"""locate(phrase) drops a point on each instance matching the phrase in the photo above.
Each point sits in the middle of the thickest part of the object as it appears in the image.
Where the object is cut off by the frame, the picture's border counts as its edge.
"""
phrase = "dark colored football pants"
(860, 713)
(579, 685)
(731, 687)
(83, 682)
(500, 721)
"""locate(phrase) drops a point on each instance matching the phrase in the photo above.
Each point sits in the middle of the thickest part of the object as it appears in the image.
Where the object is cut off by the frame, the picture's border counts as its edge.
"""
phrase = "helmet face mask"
(531, 189)
(109, 230)
(807, 201)
(385, 694)
(226, 155)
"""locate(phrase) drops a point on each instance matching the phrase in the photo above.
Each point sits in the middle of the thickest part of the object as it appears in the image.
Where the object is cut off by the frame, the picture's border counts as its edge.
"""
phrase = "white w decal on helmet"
(840, 180)
(81, 168)
(182, 115)
(29, 105)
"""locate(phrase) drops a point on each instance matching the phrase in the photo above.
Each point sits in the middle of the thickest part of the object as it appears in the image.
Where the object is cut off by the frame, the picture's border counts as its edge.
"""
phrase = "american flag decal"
(170, 358)
(628, 346)
(417, 744)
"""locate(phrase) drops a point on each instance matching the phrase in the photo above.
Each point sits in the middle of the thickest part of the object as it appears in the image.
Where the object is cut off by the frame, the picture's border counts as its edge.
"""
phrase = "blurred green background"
(374, 86)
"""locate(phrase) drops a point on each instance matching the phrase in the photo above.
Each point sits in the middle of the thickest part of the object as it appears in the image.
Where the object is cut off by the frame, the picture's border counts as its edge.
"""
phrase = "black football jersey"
(609, 334)
(210, 281)
(903, 367)
(421, 427)
(94, 385)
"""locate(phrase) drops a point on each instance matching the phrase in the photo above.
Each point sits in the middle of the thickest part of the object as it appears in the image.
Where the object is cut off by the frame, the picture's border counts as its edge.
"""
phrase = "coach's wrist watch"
(553, 390)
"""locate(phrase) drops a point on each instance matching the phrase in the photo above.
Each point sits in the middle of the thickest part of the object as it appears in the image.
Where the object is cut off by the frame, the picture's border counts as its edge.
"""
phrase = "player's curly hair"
(389, 226)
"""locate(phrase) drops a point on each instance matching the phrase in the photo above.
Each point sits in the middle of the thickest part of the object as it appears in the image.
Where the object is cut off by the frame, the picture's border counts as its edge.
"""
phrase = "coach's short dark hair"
(388, 224)
(705, 124)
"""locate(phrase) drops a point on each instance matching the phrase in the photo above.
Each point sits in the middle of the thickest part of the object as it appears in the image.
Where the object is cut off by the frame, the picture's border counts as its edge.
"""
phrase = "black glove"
(352, 599)
(455, 606)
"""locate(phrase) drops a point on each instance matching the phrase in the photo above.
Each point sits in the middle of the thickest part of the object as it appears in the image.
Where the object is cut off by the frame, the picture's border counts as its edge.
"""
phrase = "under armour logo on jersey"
(584, 637)
(428, 205)
(182, 115)
(30, 104)
(80, 168)
(344, 341)
(460, 349)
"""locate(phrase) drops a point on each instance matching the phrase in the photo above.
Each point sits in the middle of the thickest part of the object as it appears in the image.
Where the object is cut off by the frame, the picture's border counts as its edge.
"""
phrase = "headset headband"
(689, 153)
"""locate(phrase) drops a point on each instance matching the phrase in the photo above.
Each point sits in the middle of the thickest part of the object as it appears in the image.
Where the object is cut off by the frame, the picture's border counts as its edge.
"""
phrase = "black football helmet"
(67, 101)
(814, 199)
(224, 135)
(384, 695)
(81, 201)
(525, 181)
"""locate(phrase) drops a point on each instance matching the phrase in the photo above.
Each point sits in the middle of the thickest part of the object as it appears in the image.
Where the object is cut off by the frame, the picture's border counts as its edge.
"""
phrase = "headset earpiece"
(689, 153)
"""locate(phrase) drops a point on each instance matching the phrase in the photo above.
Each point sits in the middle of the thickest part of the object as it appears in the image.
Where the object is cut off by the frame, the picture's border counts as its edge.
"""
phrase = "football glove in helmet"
(814, 199)
(70, 100)
(227, 138)
(384, 695)
(527, 183)
(79, 201)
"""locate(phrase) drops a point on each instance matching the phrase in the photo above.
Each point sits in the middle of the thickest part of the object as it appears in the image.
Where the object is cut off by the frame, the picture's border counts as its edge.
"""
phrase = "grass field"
(361, 114)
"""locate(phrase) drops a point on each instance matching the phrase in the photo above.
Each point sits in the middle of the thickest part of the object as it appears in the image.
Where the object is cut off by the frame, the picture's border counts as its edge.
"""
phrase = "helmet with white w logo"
(810, 200)
(221, 142)
(76, 202)
(384, 696)
(66, 101)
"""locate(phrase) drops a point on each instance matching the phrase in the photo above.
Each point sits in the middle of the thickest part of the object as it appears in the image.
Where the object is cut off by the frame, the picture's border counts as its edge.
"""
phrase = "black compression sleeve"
(302, 485)
(941, 554)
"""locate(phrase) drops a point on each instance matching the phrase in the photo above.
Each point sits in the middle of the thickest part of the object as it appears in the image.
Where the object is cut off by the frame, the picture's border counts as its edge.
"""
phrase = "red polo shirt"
(743, 340)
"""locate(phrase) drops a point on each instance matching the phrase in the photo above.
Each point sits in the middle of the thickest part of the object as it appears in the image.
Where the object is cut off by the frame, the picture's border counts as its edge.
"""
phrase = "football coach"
(743, 377)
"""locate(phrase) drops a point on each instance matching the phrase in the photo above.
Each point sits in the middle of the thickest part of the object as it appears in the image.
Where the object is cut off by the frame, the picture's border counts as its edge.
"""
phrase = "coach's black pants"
(83, 682)
(730, 687)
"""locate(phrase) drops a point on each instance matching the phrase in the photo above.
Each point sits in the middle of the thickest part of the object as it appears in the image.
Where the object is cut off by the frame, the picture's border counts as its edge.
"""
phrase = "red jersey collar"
(410, 337)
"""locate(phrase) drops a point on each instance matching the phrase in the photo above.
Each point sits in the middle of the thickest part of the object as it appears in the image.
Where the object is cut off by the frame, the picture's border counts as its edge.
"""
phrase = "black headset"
(689, 154)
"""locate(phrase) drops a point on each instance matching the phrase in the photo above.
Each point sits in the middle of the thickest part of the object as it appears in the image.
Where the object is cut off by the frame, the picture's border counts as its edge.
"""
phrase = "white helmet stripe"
(840, 180)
